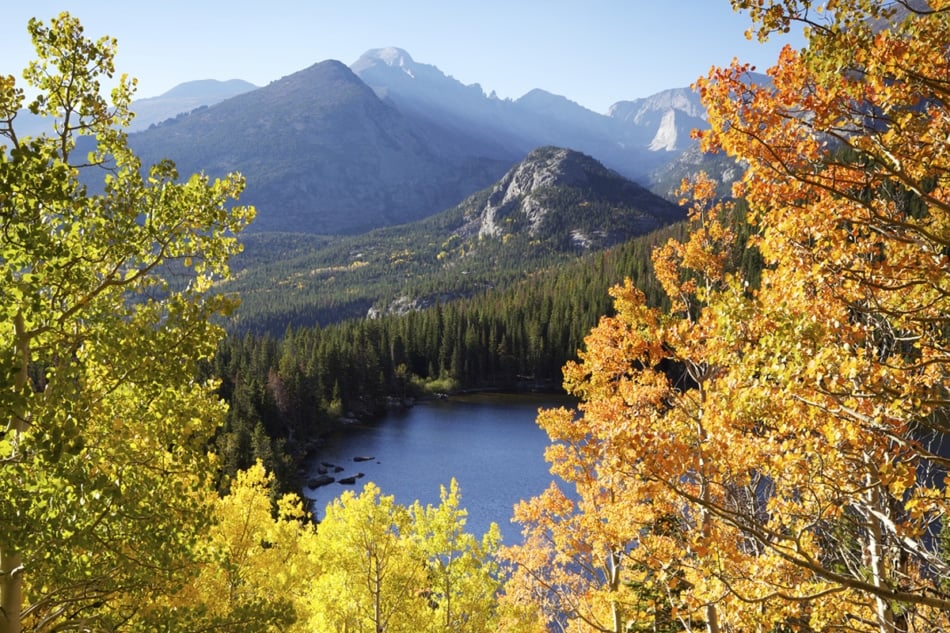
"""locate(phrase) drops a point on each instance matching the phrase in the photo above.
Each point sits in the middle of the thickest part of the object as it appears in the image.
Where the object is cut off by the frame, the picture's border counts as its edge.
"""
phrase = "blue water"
(490, 443)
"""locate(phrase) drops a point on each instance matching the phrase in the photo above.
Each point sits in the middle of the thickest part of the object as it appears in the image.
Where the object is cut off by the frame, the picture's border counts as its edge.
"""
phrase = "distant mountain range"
(178, 101)
(184, 98)
(634, 137)
(333, 149)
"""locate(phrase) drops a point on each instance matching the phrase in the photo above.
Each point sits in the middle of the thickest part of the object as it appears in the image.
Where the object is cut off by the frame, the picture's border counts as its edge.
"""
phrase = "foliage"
(757, 445)
(371, 564)
(386, 567)
(254, 565)
(769, 452)
(105, 316)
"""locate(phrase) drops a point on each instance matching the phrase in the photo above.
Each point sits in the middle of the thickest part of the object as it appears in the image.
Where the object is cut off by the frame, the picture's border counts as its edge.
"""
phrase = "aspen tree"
(104, 315)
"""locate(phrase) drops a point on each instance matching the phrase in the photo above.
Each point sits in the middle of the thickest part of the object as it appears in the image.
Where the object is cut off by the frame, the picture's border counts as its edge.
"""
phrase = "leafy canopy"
(766, 456)
(104, 315)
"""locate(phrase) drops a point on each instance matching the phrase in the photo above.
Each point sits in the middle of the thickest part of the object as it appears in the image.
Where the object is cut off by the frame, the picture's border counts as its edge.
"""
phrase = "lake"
(490, 443)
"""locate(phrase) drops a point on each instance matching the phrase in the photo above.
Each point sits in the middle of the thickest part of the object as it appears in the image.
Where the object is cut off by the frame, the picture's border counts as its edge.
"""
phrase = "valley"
(551, 208)
(415, 236)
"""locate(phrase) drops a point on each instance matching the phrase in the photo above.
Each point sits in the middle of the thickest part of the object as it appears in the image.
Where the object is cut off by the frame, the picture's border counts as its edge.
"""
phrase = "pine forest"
(762, 395)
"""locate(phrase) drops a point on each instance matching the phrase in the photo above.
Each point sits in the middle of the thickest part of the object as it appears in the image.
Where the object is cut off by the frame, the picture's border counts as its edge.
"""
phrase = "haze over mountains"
(334, 149)
(185, 98)
(539, 117)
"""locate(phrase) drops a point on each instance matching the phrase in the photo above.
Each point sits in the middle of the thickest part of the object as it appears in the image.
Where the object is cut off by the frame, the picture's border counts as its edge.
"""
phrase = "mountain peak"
(326, 68)
(538, 187)
(327, 84)
(539, 95)
(390, 56)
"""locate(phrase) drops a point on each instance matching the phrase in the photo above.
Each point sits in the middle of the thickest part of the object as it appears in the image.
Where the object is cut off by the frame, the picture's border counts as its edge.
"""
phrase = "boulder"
(351, 480)
(322, 480)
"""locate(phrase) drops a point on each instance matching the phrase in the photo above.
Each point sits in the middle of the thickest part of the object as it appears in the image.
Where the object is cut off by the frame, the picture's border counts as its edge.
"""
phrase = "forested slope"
(762, 450)
(552, 207)
(287, 390)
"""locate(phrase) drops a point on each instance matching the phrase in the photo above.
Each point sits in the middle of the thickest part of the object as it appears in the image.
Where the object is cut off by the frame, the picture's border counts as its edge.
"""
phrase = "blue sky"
(595, 52)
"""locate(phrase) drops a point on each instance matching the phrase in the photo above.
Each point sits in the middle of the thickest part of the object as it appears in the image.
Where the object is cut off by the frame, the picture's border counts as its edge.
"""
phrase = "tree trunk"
(11, 591)
(712, 612)
(877, 554)
(613, 574)
(11, 562)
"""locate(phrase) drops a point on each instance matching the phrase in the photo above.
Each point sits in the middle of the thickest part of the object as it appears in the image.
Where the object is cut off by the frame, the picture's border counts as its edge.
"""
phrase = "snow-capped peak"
(392, 56)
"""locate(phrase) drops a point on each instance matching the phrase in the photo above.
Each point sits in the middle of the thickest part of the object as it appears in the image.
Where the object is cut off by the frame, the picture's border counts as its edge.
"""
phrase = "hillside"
(323, 154)
(551, 208)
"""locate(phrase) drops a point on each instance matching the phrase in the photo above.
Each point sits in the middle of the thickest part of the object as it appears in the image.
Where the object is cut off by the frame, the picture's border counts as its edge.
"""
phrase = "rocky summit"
(333, 149)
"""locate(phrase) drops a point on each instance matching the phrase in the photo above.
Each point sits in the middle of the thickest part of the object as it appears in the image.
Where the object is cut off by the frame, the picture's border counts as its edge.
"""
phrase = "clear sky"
(594, 52)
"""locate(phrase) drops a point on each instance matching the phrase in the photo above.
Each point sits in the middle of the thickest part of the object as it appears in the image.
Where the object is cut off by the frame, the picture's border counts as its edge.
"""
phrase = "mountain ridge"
(185, 97)
(338, 149)
(323, 154)
(552, 207)
(538, 117)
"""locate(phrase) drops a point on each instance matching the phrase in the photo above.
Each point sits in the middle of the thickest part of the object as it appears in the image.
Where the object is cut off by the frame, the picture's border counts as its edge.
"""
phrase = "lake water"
(490, 443)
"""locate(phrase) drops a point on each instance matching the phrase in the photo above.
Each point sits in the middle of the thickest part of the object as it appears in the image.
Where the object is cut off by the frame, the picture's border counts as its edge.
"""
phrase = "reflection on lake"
(490, 443)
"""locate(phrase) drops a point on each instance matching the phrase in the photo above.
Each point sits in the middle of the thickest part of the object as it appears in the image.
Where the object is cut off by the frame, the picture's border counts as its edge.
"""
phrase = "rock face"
(663, 121)
(523, 187)
(557, 194)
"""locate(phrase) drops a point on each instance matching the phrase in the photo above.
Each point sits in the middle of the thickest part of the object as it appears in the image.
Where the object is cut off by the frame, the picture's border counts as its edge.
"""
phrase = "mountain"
(323, 154)
(180, 99)
(567, 200)
(184, 98)
(662, 122)
(554, 206)
(335, 150)
(632, 145)
(723, 169)
(425, 92)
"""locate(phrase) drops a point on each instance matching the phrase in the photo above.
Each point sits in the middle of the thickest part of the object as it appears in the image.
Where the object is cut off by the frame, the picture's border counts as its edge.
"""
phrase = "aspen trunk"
(712, 613)
(613, 572)
(11, 562)
(877, 555)
(11, 591)
(377, 593)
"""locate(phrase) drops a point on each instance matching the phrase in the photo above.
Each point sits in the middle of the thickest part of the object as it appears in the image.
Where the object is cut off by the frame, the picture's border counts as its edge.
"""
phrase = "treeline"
(306, 281)
(285, 392)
